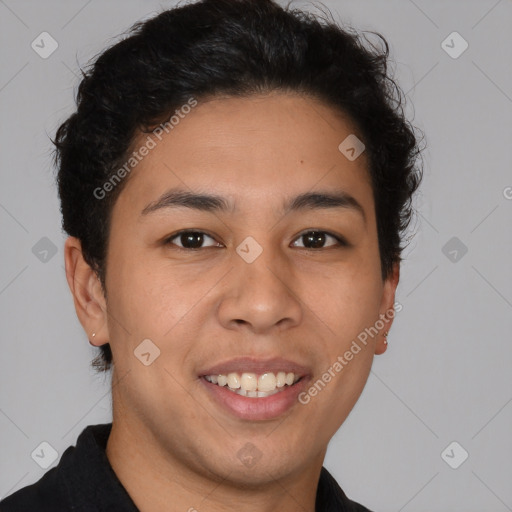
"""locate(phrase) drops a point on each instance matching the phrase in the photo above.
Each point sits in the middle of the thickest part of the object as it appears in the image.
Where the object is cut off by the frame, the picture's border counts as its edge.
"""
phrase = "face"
(277, 272)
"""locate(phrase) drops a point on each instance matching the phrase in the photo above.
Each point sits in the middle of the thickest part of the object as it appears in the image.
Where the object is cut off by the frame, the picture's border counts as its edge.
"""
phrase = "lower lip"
(264, 408)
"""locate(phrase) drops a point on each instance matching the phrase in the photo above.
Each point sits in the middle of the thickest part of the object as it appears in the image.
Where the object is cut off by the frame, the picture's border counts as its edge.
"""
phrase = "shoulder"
(45, 495)
(70, 484)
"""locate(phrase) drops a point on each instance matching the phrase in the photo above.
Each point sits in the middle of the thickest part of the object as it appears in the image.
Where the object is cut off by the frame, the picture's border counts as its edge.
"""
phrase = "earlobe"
(88, 296)
(382, 343)
(387, 310)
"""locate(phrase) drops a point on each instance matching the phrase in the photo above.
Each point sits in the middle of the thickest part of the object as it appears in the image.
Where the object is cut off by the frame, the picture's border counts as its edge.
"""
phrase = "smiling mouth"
(254, 385)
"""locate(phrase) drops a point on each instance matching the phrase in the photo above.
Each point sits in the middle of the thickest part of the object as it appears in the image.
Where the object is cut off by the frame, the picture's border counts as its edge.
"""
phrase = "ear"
(387, 311)
(88, 296)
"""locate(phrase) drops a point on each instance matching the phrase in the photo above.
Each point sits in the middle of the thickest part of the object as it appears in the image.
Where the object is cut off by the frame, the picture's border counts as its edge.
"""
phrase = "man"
(234, 182)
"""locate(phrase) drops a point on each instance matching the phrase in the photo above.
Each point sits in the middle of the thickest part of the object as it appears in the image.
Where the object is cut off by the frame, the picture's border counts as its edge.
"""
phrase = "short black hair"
(231, 48)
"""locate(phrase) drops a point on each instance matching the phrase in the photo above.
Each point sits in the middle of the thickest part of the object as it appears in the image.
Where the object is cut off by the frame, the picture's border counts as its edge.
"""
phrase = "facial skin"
(171, 446)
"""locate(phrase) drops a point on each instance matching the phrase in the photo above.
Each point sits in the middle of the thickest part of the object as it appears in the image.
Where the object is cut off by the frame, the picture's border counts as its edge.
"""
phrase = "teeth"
(267, 382)
(252, 385)
(249, 381)
(281, 379)
(233, 381)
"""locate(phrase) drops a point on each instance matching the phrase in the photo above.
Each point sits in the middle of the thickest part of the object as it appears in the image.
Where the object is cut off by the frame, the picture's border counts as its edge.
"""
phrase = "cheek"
(346, 301)
(146, 294)
(157, 301)
(349, 306)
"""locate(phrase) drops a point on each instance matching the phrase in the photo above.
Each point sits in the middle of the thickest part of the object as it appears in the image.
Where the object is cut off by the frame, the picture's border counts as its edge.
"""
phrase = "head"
(236, 182)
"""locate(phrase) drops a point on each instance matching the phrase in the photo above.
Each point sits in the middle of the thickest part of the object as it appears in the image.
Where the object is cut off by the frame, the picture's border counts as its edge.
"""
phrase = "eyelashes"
(192, 240)
(189, 236)
(315, 236)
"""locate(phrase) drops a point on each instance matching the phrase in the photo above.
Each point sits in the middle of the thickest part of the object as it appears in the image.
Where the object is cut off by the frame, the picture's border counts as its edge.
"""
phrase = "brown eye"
(190, 240)
(318, 239)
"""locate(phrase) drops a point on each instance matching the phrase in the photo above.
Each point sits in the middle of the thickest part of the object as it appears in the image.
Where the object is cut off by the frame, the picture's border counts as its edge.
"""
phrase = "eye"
(314, 239)
(190, 240)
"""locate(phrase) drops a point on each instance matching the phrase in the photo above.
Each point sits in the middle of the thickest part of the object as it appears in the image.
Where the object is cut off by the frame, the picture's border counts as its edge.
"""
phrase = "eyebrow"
(177, 198)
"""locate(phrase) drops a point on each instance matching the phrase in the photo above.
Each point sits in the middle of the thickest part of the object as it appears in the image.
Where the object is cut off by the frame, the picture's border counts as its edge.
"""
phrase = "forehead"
(251, 150)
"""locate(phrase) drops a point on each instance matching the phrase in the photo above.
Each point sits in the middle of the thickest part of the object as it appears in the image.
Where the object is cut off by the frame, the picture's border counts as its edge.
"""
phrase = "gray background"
(446, 374)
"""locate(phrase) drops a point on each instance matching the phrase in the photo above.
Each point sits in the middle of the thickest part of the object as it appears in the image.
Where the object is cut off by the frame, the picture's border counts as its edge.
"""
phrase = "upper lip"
(255, 365)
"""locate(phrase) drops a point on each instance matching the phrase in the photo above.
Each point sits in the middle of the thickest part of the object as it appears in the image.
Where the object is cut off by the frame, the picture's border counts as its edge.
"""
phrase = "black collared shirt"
(84, 481)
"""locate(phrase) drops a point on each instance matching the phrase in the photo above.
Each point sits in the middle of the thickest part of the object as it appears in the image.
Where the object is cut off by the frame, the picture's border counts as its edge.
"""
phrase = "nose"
(260, 296)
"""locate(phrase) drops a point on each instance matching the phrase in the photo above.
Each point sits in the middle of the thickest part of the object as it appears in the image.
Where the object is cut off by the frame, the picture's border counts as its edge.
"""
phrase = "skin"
(171, 446)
